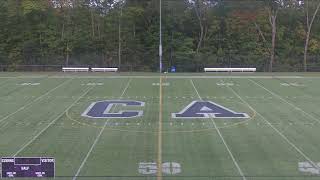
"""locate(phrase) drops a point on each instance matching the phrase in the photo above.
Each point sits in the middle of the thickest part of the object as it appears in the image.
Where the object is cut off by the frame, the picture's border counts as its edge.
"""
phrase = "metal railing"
(179, 68)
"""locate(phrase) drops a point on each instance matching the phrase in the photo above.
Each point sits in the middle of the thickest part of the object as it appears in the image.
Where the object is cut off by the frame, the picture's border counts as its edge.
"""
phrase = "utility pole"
(160, 40)
(119, 48)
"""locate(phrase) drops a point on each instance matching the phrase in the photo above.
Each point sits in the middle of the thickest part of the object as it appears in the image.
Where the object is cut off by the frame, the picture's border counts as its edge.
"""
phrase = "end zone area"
(42, 115)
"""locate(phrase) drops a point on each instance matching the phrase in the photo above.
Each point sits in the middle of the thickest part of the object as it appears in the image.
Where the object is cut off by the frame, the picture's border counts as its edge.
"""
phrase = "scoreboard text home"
(27, 167)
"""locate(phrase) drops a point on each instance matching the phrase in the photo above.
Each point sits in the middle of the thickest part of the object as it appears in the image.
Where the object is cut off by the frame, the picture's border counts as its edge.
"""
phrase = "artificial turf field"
(40, 116)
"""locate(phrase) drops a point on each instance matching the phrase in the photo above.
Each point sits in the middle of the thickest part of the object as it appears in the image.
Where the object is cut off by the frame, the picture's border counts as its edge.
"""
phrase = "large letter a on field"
(207, 109)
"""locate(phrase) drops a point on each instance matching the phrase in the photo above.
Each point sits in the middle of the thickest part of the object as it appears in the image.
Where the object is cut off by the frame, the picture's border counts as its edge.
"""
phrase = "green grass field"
(40, 115)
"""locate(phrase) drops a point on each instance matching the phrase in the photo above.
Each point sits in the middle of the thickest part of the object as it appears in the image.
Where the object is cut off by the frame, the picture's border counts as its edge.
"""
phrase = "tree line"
(125, 33)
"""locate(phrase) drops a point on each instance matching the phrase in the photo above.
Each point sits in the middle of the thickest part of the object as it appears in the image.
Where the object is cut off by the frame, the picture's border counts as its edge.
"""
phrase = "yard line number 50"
(150, 168)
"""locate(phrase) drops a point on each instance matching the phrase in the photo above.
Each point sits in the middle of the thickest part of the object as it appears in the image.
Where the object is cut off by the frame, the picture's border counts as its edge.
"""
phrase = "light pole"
(160, 40)
(119, 37)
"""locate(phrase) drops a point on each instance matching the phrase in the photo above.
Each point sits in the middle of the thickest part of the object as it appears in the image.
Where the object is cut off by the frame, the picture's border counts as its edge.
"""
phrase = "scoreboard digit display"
(27, 167)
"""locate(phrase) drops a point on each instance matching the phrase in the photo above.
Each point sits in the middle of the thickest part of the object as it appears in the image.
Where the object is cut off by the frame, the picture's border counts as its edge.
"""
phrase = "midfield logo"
(196, 109)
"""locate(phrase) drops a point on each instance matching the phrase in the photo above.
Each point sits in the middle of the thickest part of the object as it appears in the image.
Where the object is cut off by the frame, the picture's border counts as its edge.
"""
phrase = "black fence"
(179, 68)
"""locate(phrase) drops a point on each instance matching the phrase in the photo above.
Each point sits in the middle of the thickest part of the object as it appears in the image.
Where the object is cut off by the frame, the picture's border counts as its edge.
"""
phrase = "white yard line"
(287, 102)
(222, 138)
(97, 138)
(275, 129)
(89, 152)
(52, 122)
(35, 100)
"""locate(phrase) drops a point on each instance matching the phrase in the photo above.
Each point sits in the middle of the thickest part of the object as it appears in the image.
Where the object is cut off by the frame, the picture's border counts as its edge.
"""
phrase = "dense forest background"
(272, 35)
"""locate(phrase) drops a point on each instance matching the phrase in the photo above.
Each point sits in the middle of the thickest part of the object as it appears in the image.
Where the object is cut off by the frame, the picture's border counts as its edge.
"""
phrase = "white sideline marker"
(222, 138)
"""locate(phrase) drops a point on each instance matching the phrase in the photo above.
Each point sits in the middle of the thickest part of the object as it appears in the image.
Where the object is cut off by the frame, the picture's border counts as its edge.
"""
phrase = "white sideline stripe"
(97, 138)
(181, 77)
(52, 122)
(275, 129)
(22, 77)
(23, 107)
(224, 142)
(279, 97)
(168, 77)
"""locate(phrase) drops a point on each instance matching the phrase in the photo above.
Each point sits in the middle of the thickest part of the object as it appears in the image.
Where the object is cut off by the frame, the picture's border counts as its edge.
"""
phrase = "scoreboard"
(27, 167)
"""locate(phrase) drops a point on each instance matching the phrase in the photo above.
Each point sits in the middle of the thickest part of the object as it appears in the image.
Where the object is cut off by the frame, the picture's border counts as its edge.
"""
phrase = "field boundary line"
(24, 77)
(222, 138)
(180, 77)
(287, 102)
(275, 129)
(97, 138)
(33, 101)
(52, 122)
